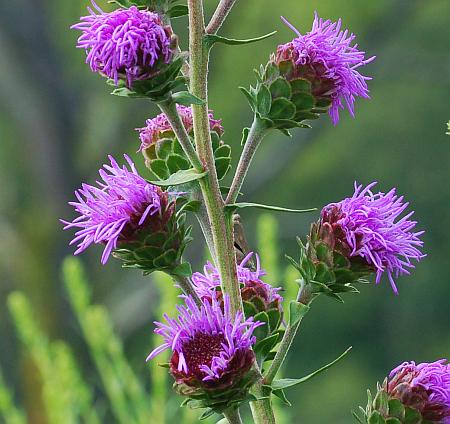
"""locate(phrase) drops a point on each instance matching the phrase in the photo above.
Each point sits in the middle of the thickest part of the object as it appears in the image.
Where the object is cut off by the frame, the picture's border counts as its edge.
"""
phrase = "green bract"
(282, 101)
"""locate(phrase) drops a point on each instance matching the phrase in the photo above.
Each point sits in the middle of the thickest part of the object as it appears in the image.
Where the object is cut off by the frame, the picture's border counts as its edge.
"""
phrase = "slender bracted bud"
(361, 235)
(413, 394)
(135, 220)
(314, 73)
(133, 48)
(163, 153)
(212, 355)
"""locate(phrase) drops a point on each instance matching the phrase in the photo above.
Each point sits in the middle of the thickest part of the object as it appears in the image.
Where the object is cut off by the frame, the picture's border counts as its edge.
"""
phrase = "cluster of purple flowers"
(425, 387)
(207, 283)
(328, 53)
(120, 203)
(125, 43)
(157, 127)
(371, 226)
(210, 346)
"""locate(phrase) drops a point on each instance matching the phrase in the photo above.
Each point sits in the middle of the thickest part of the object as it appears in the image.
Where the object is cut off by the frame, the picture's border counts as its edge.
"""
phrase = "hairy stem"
(219, 15)
(220, 225)
(169, 109)
(233, 416)
(257, 132)
(262, 410)
(304, 296)
(186, 286)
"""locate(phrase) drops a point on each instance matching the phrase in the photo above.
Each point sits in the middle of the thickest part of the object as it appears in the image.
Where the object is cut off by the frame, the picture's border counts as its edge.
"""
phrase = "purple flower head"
(210, 346)
(124, 44)
(207, 283)
(369, 225)
(159, 127)
(116, 208)
(328, 58)
(425, 387)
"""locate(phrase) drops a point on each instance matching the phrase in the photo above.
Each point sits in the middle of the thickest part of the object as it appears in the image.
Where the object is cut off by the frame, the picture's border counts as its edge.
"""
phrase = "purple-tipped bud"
(126, 44)
(128, 215)
(424, 387)
(369, 226)
(211, 347)
(328, 59)
(159, 127)
(260, 295)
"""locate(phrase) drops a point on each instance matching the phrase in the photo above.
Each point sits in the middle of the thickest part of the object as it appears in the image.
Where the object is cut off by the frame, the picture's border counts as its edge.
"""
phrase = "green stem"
(187, 287)
(233, 416)
(169, 108)
(257, 132)
(304, 296)
(220, 225)
(262, 410)
(219, 15)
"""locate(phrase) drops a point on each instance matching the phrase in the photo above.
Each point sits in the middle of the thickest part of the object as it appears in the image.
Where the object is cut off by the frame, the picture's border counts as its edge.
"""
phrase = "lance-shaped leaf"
(284, 383)
(211, 39)
(297, 311)
(242, 205)
(178, 11)
(181, 177)
(186, 99)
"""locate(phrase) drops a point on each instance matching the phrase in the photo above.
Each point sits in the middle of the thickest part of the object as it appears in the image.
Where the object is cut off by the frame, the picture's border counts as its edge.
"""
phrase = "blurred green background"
(58, 123)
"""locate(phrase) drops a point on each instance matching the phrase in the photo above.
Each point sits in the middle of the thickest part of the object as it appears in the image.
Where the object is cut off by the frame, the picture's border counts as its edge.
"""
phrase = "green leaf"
(243, 205)
(263, 347)
(290, 382)
(297, 311)
(393, 421)
(251, 100)
(211, 39)
(303, 101)
(176, 163)
(263, 100)
(282, 108)
(279, 393)
(412, 416)
(245, 132)
(177, 11)
(183, 270)
(180, 177)
(376, 418)
(396, 409)
(159, 168)
(223, 165)
(186, 99)
(280, 88)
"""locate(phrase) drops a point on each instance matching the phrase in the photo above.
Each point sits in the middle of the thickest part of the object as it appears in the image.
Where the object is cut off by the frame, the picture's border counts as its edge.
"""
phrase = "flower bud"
(211, 352)
(361, 235)
(132, 47)
(257, 296)
(135, 220)
(413, 394)
(314, 73)
(163, 153)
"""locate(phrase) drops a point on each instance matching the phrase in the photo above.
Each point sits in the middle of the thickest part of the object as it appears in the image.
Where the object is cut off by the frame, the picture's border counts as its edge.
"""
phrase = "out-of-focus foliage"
(58, 123)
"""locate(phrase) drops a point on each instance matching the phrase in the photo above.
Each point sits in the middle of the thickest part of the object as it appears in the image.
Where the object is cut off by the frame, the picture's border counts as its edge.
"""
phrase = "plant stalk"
(233, 416)
(169, 108)
(262, 410)
(257, 132)
(304, 296)
(220, 224)
(219, 16)
(186, 286)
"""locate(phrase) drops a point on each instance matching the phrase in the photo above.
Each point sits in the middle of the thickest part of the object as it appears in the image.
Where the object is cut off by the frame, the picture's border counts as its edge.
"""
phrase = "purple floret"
(334, 57)
(122, 199)
(125, 43)
(373, 229)
(207, 342)
(427, 385)
(209, 281)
